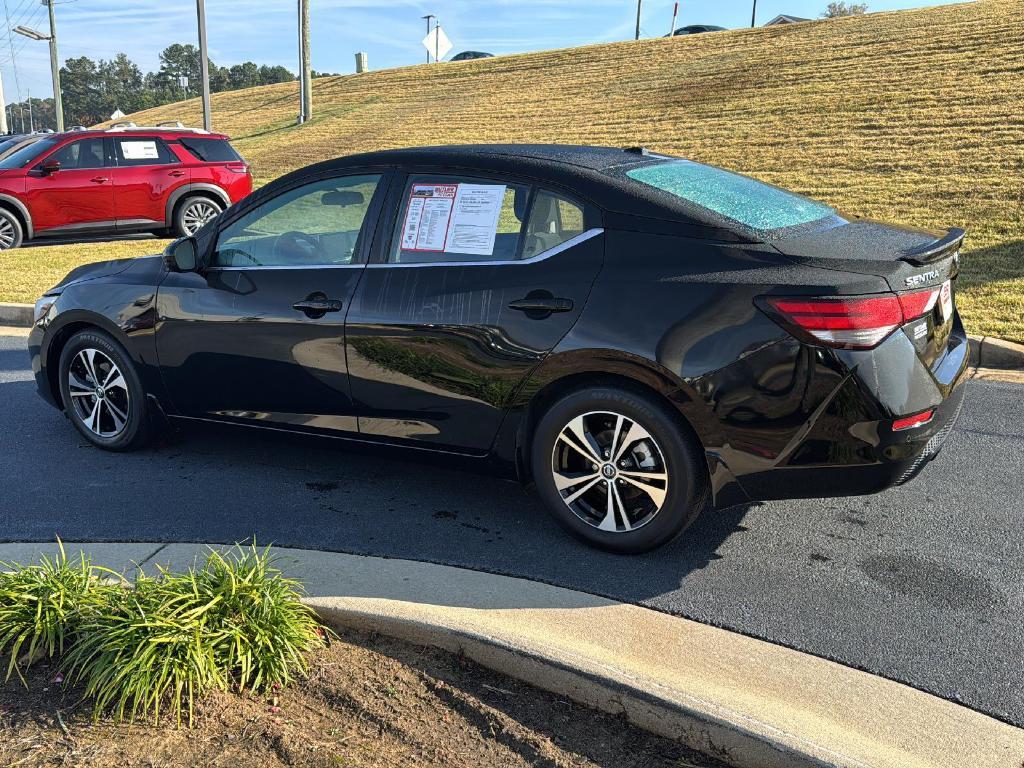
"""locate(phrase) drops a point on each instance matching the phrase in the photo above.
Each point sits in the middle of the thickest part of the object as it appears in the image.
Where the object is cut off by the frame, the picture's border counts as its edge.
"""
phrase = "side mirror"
(182, 255)
(50, 167)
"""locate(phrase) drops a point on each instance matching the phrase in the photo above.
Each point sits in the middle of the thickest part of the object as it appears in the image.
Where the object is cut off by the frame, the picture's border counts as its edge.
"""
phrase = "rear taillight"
(917, 420)
(850, 322)
(237, 167)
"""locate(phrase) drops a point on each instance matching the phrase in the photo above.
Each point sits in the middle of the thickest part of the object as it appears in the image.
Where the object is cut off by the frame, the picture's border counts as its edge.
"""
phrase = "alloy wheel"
(610, 471)
(197, 214)
(99, 393)
(7, 234)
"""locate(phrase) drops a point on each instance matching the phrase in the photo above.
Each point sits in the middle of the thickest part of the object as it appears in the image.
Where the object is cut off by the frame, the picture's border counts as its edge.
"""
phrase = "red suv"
(122, 179)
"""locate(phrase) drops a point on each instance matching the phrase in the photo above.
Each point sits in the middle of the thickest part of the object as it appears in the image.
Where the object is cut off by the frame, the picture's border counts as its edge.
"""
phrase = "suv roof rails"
(167, 125)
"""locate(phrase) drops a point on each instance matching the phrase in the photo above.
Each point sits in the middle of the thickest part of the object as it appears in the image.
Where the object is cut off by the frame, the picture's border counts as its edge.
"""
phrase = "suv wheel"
(10, 231)
(618, 470)
(192, 213)
(102, 393)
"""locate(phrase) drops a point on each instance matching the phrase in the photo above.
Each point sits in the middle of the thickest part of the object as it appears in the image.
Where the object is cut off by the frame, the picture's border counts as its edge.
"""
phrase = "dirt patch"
(369, 701)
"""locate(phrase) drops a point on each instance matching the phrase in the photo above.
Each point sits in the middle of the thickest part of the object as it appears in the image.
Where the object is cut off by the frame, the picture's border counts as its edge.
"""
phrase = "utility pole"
(428, 17)
(675, 12)
(204, 64)
(58, 105)
(3, 110)
(639, 4)
(31, 118)
(753, 15)
(305, 68)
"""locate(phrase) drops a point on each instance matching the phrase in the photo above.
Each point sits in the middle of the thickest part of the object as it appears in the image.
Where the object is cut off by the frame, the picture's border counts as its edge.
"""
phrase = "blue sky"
(390, 32)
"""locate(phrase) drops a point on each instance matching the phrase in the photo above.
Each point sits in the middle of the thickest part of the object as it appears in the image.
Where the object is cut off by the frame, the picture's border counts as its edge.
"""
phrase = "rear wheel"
(10, 231)
(102, 393)
(617, 469)
(194, 212)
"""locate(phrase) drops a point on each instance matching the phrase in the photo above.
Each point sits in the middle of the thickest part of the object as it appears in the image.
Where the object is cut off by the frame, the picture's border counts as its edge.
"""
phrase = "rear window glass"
(212, 150)
(744, 200)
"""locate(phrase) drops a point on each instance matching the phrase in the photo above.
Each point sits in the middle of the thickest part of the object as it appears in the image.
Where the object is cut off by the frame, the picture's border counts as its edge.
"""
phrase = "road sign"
(437, 43)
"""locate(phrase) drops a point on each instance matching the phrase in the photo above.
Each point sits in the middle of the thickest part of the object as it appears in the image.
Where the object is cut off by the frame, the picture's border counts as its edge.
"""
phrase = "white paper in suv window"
(139, 150)
(453, 218)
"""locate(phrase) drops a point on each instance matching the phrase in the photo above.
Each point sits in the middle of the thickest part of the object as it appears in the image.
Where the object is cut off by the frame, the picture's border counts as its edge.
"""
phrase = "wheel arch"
(571, 371)
(58, 337)
(18, 208)
(196, 189)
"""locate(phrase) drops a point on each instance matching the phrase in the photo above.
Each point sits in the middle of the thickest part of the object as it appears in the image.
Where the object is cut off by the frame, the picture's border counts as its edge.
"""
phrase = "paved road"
(922, 584)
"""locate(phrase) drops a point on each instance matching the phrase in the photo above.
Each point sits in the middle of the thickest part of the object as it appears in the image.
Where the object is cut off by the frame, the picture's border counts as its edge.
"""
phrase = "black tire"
(674, 450)
(136, 430)
(11, 232)
(183, 226)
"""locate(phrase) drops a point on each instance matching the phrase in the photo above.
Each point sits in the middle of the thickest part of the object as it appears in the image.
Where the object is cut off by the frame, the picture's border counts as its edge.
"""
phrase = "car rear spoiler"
(933, 252)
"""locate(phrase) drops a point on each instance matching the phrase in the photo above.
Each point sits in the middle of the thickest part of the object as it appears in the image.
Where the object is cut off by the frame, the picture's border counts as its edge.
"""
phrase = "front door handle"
(541, 304)
(176, 173)
(317, 306)
(99, 179)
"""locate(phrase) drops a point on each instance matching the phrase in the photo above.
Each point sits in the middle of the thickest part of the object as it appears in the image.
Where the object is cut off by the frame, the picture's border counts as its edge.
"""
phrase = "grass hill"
(912, 116)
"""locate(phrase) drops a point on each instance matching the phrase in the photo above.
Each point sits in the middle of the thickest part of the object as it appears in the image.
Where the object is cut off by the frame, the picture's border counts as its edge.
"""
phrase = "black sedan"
(638, 335)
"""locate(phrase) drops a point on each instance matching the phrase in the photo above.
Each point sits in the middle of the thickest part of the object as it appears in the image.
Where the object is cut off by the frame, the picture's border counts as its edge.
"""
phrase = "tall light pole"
(753, 15)
(204, 64)
(639, 4)
(428, 17)
(305, 67)
(58, 107)
(3, 109)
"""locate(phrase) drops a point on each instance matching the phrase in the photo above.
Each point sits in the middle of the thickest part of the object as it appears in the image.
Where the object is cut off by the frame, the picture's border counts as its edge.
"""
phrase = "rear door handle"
(317, 307)
(541, 304)
(99, 179)
(176, 173)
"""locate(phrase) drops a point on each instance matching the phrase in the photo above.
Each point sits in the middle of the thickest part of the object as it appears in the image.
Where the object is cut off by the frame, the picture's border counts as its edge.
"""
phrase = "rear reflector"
(851, 322)
(917, 420)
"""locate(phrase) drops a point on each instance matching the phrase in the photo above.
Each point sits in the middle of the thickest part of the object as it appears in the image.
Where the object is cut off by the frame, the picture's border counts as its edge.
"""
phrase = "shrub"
(41, 606)
(173, 638)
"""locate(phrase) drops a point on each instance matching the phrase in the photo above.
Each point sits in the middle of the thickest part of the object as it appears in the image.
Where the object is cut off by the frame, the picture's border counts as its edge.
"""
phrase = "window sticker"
(453, 218)
(139, 150)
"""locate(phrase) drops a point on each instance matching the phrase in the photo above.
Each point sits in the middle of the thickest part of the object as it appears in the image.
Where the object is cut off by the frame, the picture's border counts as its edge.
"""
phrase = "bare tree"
(841, 8)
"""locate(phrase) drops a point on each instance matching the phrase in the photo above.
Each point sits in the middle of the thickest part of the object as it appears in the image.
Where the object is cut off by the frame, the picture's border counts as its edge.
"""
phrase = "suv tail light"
(237, 167)
(849, 322)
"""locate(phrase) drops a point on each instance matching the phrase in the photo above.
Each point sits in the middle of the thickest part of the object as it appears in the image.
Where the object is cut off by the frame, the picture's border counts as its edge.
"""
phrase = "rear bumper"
(899, 457)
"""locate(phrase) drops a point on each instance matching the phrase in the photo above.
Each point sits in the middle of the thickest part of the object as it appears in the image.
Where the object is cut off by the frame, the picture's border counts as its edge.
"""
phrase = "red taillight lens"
(918, 303)
(848, 323)
(917, 420)
(851, 322)
(237, 167)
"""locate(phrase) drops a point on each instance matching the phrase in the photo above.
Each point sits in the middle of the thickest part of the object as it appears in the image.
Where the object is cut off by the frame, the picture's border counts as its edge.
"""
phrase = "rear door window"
(459, 219)
(553, 220)
(143, 150)
(211, 150)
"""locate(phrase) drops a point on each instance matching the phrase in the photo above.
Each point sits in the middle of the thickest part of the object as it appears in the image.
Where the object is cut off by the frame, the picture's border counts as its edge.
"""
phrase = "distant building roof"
(784, 18)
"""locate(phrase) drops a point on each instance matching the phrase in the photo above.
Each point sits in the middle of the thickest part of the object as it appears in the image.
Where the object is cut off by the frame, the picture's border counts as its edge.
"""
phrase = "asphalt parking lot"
(921, 584)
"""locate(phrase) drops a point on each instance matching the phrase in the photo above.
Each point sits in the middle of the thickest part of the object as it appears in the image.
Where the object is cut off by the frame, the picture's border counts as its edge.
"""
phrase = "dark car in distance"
(639, 335)
(471, 55)
(696, 29)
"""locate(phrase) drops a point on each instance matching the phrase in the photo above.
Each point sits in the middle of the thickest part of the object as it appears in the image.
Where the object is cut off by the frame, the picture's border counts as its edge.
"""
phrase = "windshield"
(744, 200)
(22, 157)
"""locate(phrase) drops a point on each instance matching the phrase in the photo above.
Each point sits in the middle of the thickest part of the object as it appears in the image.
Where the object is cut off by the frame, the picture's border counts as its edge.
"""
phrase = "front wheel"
(618, 470)
(10, 231)
(102, 393)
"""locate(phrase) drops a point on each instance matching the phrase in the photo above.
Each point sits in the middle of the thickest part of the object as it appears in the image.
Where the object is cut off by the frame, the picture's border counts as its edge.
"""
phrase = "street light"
(58, 107)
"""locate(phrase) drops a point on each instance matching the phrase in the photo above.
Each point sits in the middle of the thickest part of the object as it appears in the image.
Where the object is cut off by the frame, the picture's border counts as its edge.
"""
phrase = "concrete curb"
(748, 702)
(16, 315)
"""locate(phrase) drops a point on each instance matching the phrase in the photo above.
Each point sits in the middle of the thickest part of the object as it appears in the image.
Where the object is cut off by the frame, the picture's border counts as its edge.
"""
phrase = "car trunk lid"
(911, 261)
